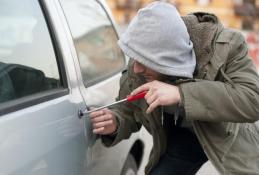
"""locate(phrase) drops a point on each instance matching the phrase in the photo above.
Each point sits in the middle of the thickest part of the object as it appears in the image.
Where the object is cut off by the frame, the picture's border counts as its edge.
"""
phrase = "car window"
(27, 59)
(95, 40)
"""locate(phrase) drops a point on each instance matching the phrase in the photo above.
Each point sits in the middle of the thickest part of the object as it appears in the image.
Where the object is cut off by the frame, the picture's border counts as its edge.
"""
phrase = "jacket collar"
(203, 29)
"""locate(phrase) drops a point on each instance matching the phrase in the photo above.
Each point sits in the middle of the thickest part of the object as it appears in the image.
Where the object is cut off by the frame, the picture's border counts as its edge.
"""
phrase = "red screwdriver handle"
(138, 96)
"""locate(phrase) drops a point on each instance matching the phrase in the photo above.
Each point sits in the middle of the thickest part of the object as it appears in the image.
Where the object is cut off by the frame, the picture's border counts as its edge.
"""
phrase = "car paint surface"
(49, 138)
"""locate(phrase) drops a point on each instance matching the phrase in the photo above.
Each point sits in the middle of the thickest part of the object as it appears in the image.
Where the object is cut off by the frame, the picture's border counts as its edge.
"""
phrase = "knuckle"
(93, 121)
(109, 116)
(102, 118)
(95, 125)
(99, 119)
(102, 124)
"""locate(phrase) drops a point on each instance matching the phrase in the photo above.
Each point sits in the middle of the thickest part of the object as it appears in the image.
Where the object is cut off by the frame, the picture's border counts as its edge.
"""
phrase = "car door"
(40, 132)
(100, 62)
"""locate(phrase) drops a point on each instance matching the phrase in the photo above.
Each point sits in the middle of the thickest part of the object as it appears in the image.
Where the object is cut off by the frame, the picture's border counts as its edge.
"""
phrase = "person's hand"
(103, 121)
(159, 94)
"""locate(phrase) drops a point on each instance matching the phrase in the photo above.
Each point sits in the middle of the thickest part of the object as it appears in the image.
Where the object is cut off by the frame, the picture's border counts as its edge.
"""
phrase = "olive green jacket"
(221, 102)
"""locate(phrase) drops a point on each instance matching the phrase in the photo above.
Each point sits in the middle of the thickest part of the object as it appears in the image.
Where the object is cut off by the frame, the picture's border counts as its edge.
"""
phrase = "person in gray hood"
(202, 93)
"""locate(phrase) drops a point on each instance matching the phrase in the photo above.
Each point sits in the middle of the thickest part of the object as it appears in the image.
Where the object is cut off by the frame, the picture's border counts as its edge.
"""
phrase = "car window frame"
(117, 35)
(40, 97)
(124, 57)
(99, 80)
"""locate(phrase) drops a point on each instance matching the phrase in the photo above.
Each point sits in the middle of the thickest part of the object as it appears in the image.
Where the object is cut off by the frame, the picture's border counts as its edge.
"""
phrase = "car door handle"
(81, 111)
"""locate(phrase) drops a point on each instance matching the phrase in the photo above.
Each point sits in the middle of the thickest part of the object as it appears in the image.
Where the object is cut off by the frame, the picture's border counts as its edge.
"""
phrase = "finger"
(96, 113)
(144, 87)
(149, 93)
(102, 124)
(101, 118)
(152, 106)
(151, 98)
(98, 130)
(106, 110)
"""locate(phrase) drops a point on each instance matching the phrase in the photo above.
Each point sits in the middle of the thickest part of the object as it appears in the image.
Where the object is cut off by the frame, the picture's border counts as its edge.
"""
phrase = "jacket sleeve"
(125, 115)
(235, 99)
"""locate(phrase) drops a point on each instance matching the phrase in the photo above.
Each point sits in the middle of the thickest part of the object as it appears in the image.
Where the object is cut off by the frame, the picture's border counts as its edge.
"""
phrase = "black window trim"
(30, 100)
(56, 46)
(34, 99)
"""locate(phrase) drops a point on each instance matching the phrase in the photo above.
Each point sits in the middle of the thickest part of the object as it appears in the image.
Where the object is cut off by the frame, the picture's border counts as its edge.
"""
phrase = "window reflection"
(95, 40)
(27, 60)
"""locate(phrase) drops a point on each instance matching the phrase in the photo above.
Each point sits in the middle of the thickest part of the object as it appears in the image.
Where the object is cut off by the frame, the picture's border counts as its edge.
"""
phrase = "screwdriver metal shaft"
(129, 98)
(96, 109)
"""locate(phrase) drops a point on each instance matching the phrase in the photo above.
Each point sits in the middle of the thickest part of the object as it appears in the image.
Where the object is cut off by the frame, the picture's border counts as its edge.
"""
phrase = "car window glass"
(95, 40)
(27, 60)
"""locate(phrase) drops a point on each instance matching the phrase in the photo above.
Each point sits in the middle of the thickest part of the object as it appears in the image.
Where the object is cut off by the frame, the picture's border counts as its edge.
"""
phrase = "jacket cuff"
(193, 107)
(181, 103)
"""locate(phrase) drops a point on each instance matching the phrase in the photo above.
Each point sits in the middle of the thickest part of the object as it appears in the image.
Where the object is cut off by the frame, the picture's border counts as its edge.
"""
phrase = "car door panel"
(43, 139)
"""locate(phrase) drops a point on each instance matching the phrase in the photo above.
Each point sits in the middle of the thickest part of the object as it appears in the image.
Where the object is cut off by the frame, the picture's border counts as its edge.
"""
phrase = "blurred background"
(240, 14)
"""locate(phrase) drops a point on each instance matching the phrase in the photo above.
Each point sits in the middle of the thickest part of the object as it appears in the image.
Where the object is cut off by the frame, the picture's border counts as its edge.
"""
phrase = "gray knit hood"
(157, 37)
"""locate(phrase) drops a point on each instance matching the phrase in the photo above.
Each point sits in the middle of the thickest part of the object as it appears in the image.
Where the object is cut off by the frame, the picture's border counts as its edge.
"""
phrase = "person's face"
(147, 73)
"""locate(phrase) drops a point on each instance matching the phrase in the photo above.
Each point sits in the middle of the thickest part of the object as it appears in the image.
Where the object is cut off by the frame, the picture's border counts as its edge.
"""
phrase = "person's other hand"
(159, 94)
(103, 121)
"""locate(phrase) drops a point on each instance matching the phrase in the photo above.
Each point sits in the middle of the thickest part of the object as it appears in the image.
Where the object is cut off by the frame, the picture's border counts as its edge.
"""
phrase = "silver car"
(57, 59)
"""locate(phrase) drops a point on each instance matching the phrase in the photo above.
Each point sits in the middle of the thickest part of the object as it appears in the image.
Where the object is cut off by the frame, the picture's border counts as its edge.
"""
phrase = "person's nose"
(138, 68)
